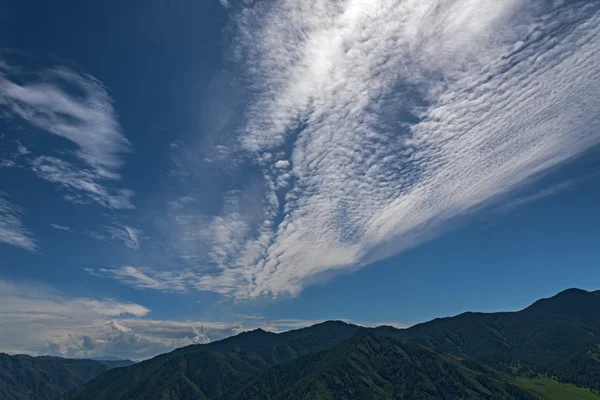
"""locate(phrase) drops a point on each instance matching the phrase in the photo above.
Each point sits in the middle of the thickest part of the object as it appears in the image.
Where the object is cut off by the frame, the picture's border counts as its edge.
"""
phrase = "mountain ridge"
(376, 367)
(547, 337)
(550, 336)
(476, 354)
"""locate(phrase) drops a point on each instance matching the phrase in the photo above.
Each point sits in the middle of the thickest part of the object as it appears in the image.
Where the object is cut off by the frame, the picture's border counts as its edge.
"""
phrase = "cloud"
(127, 338)
(22, 150)
(82, 184)
(12, 230)
(42, 301)
(7, 163)
(12, 159)
(146, 278)
(61, 227)
(182, 201)
(127, 234)
(36, 319)
(199, 239)
(282, 164)
(83, 114)
(133, 339)
(77, 108)
(547, 192)
(398, 118)
(32, 315)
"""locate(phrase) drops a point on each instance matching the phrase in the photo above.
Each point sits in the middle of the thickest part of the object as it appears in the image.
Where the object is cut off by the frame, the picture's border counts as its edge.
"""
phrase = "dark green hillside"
(554, 337)
(559, 336)
(36, 378)
(368, 366)
(206, 371)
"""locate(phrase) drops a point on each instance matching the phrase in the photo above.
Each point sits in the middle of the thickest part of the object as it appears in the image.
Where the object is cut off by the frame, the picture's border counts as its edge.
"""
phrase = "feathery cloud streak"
(61, 227)
(401, 115)
(78, 108)
(145, 278)
(87, 119)
(12, 230)
(127, 234)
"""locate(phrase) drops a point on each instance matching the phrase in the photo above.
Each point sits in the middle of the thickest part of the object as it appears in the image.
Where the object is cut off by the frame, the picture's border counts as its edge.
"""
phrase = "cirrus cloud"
(12, 230)
(398, 117)
(87, 119)
(372, 126)
(78, 109)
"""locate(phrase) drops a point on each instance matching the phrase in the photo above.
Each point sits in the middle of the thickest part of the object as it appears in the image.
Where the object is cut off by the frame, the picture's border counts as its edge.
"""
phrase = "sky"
(177, 171)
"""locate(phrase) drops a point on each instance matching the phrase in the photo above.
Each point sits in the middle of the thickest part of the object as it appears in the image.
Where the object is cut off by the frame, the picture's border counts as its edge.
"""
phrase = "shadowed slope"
(36, 378)
(206, 371)
(559, 336)
(368, 366)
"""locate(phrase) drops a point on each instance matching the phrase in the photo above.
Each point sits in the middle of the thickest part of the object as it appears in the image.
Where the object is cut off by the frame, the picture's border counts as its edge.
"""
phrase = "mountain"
(559, 336)
(369, 366)
(110, 358)
(23, 377)
(207, 371)
(478, 355)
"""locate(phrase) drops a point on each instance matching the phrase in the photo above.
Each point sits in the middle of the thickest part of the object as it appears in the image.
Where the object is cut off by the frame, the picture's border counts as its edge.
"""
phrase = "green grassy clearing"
(553, 390)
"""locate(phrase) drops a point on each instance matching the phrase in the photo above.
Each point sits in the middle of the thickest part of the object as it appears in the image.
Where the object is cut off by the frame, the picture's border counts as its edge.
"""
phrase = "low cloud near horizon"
(39, 320)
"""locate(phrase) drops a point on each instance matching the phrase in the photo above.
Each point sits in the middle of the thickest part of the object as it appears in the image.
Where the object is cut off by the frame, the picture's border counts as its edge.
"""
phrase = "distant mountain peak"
(572, 291)
(565, 300)
(257, 332)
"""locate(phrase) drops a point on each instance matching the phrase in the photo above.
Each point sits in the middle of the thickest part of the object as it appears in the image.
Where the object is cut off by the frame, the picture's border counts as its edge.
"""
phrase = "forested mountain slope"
(559, 336)
(207, 371)
(23, 377)
(370, 366)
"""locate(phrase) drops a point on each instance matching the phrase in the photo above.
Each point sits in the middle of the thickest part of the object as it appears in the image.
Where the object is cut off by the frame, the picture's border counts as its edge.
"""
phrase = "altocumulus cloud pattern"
(376, 123)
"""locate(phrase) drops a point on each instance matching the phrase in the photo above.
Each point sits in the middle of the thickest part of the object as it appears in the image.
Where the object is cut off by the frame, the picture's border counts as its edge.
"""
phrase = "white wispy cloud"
(378, 122)
(22, 150)
(181, 202)
(40, 300)
(11, 159)
(129, 235)
(97, 235)
(84, 115)
(83, 184)
(146, 278)
(77, 108)
(546, 192)
(61, 227)
(12, 230)
(199, 238)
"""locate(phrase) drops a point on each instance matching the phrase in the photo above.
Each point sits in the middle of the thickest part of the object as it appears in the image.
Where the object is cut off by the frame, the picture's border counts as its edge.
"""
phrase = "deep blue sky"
(178, 171)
